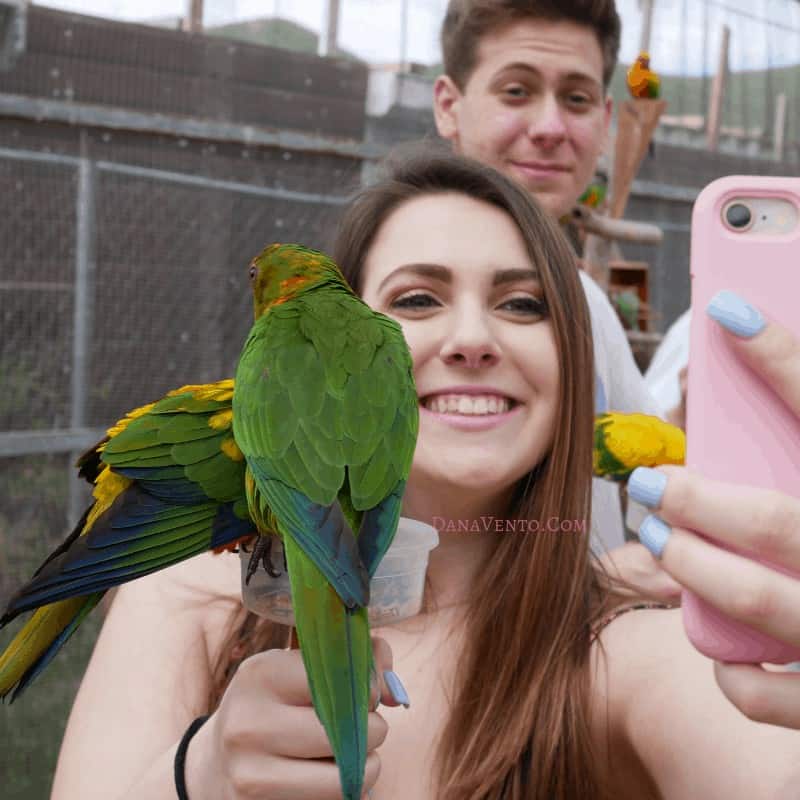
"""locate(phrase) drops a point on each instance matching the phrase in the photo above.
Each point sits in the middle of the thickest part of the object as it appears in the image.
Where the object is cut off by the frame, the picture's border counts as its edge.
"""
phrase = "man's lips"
(541, 167)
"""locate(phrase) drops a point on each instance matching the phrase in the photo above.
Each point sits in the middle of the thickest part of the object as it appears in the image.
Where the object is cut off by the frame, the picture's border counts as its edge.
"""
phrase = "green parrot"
(628, 305)
(326, 414)
(168, 484)
(595, 193)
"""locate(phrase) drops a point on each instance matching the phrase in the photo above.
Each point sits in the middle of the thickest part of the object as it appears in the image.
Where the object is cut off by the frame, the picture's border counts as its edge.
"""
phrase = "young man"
(525, 91)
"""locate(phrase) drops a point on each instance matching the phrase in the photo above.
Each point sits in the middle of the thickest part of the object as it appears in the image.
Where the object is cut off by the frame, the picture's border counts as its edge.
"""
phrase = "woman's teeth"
(467, 404)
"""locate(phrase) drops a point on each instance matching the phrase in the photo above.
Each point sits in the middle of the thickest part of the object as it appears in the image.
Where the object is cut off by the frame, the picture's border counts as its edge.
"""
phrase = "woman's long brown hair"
(519, 726)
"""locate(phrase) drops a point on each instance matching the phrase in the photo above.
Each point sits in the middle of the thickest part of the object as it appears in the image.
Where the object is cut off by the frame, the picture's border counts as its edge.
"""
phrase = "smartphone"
(746, 238)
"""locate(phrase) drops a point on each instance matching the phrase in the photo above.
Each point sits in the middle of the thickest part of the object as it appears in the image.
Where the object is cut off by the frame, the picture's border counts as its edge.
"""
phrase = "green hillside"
(274, 32)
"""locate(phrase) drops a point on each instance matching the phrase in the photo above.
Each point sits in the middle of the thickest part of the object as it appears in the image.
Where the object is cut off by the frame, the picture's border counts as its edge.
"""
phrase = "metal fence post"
(83, 308)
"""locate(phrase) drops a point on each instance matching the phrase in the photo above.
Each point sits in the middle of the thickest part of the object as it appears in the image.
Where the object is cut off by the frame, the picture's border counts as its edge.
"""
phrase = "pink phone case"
(738, 430)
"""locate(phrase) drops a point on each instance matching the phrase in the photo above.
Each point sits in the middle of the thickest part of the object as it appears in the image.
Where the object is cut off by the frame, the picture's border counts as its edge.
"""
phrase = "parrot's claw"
(261, 555)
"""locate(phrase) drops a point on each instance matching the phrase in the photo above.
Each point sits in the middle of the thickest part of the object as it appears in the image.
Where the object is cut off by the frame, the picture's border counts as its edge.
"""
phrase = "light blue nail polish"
(395, 686)
(653, 534)
(646, 486)
(735, 315)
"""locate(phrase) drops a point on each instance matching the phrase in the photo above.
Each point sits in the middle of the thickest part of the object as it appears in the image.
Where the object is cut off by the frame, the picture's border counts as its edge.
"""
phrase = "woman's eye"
(415, 301)
(525, 305)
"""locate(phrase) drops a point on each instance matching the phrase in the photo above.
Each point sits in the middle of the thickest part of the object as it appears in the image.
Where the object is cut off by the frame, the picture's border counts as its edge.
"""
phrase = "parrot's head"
(644, 60)
(282, 271)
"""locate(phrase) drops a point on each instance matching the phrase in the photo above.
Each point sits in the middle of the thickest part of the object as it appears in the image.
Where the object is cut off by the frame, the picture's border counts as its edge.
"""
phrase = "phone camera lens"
(738, 216)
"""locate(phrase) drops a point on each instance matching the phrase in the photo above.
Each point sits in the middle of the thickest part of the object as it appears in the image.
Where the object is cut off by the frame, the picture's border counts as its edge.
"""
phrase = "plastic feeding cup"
(395, 589)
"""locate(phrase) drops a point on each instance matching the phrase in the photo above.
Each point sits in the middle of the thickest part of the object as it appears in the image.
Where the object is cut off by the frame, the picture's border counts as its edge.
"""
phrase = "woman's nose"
(471, 358)
(470, 344)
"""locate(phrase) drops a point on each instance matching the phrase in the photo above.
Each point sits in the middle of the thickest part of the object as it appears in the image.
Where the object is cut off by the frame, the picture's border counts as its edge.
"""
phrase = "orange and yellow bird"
(642, 81)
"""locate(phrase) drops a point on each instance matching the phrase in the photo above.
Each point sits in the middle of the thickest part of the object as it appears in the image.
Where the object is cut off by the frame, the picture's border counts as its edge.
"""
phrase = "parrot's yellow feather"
(626, 441)
(34, 638)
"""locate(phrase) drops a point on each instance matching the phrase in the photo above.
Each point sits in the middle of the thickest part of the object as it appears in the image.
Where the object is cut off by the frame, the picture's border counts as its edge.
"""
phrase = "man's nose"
(546, 126)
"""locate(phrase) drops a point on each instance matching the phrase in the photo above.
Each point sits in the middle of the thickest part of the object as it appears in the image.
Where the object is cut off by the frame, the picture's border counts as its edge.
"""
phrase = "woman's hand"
(266, 741)
(632, 563)
(765, 523)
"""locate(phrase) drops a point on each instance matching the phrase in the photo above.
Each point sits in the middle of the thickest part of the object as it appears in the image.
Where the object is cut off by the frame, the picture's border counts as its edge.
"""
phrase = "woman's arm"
(147, 679)
(665, 702)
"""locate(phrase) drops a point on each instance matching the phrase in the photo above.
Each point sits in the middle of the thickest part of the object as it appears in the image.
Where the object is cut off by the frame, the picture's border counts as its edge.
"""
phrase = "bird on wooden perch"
(643, 82)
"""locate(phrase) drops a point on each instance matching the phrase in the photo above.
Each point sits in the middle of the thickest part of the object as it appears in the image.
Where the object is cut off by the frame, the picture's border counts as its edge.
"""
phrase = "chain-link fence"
(140, 171)
(119, 283)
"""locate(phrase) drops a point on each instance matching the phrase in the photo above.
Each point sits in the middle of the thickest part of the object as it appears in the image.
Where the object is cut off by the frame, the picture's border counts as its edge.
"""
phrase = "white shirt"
(619, 387)
(672, 355)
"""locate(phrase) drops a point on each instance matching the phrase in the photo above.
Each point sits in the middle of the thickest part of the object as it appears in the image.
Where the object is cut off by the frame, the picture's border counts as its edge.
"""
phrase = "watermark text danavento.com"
(495, 525)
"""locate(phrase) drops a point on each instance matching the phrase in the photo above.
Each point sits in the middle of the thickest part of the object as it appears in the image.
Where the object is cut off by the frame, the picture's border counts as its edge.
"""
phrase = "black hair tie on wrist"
(180, 756)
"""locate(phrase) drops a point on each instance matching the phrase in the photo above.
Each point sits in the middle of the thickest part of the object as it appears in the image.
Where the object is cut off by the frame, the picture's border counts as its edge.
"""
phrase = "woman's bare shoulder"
(631, 651)
(624, 656)
(664, 705)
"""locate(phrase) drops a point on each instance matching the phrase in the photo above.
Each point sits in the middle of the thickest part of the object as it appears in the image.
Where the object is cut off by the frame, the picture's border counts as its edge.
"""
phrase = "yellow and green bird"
(326, 413)
(595, 193)
(642, 81)
(623, 442)
(168, 484)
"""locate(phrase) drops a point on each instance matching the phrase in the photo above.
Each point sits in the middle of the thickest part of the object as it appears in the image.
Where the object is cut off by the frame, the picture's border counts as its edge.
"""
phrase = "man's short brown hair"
(468, 21)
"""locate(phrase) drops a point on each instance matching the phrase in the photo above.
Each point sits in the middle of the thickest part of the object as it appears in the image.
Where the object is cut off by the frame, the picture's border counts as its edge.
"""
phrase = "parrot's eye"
(253, 272)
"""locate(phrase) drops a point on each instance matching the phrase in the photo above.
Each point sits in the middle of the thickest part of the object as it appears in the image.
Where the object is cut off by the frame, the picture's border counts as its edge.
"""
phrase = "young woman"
(519, 685)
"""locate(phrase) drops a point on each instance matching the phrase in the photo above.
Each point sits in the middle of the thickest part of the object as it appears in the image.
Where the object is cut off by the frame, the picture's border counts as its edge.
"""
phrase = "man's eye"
(525, 305)
(515, 92)
(415, 301)
(578, 99)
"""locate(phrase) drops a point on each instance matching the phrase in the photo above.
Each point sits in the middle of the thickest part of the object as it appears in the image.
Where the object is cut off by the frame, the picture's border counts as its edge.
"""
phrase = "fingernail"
(646, 486)
(735, 314)
(396, 688)
(374, 686)
(653, 534)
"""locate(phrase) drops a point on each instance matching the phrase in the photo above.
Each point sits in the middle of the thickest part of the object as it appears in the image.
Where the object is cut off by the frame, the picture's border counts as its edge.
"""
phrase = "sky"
(763, 32)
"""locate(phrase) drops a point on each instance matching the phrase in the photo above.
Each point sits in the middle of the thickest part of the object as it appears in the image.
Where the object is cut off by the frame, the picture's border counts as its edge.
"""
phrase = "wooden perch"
(621, 230)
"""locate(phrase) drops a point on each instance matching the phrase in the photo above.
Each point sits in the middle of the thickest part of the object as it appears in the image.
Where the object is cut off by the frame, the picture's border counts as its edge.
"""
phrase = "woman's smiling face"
(455, 273)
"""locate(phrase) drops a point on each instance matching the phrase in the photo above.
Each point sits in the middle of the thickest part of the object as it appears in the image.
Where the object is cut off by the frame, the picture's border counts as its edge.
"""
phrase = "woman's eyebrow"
(435, 271)
(512, 275)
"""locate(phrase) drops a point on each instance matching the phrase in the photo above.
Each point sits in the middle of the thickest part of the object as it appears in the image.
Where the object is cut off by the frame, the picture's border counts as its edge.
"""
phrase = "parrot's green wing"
(326, 414)
(168, 485)
(324, 404)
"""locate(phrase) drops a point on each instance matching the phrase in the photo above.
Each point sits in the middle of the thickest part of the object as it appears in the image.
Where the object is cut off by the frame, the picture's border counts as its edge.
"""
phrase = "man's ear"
(445, 107)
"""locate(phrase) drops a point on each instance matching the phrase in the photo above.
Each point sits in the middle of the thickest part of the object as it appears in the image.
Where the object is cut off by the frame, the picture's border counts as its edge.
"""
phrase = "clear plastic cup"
(395, 590)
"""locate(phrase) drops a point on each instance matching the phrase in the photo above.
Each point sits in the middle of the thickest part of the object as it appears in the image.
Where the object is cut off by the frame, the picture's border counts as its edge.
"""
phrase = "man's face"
(533, 108)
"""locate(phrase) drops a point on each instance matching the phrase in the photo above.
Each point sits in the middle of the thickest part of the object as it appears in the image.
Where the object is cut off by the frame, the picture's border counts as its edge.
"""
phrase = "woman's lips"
(472, 422)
